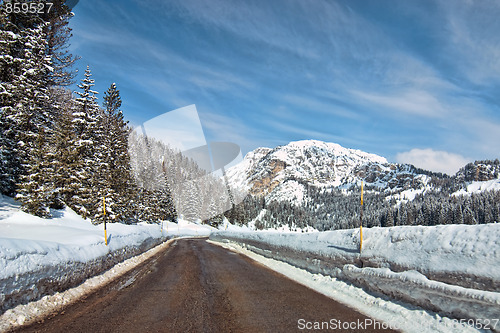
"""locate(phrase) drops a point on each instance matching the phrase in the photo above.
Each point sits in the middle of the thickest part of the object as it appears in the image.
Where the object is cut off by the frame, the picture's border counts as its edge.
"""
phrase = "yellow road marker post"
(104, 215)
(361, 221)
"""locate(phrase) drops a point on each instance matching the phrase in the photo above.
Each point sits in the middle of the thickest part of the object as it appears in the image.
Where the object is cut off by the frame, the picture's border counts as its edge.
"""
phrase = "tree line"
(60, 149)
(329, 208)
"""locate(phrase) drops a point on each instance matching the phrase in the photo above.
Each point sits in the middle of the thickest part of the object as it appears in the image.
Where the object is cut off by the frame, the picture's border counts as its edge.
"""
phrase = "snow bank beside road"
(413, 287)
(438, 252)
(400, 262)
(398, 316)
(42, 256)
(26, 314)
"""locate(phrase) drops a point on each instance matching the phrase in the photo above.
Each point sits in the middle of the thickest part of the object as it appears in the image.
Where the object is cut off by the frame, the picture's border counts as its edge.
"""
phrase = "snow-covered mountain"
(282, 173)
(479, 176)
(479, 171)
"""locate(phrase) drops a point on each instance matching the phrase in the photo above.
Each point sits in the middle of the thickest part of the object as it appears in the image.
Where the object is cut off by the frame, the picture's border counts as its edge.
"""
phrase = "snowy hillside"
(480, 186)
(479, 171)
(316, 184)
(280, 173)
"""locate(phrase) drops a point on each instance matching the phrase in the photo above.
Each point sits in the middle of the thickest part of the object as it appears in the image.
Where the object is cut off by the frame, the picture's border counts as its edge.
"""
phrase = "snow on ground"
(227, 226)
(395, 315)
(452, 269)
(290, 190)
(29, 313)
(42, 256)
(452, 249)
(410, 194)
(406, 195)
(478, 187)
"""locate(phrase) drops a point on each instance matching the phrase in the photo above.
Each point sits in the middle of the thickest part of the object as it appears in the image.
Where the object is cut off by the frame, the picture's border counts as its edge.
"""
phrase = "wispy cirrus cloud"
(472, 39)
(414, 102)
(382, 76)
(250, 20)
(317, 106)
(220, 127)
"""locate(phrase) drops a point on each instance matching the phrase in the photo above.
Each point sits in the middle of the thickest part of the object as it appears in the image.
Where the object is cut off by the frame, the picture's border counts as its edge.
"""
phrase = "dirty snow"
(42, 256)
(399, 316)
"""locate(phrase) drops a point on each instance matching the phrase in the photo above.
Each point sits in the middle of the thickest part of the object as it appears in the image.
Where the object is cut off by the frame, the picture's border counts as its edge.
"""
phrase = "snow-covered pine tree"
(30, 45)
(26, 113)
(86, 140)
(121, 189)
(112, 101)
(390, 218)
(65, 158)
(34, 112)
(11, 59)
(36, 187)
(58, 35)
(9, 163)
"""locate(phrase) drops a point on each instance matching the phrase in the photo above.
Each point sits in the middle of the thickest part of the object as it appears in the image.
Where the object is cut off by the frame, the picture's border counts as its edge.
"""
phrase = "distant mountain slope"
(283, 173)
(479, 171)
(316, 184)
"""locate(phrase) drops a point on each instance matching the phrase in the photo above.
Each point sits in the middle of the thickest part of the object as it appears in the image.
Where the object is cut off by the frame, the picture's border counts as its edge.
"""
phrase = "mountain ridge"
(285, 172)
(309, 183)
(265, 171)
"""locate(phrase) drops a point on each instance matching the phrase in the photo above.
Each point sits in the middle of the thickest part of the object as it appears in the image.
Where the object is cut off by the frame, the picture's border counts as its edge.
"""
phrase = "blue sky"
(414, 81)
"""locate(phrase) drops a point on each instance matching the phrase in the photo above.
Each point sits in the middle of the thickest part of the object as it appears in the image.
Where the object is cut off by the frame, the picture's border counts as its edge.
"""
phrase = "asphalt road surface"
(195, 286)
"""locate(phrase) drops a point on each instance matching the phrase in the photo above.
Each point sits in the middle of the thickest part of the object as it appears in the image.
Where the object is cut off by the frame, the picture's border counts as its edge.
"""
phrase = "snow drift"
(43, 256)
(451, 269)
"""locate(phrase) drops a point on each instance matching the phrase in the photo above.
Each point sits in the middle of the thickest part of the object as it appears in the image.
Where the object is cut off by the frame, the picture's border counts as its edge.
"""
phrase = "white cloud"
(416, 102)
(433, 160)
(312, 104)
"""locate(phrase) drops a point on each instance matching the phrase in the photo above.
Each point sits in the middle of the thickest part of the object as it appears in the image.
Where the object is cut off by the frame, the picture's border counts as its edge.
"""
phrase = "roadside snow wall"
(33, 284)
(450, 269)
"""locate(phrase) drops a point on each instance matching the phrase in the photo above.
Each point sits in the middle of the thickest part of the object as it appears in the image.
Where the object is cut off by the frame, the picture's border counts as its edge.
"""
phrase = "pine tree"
(58, 35)
(9, 162)
(469, 216)
(86, 141)
(12, 51)
(65, 157)
(390, 219)
(120, 186)
(458, 217)
(26, 115)
(191, 203)
(27, 61)
(112, 100)
(35, 190)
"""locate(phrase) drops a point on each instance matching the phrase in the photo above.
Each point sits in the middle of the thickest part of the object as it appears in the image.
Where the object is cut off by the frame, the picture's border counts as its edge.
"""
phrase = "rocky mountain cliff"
(316, 184)
(479, 171)
(283, 173)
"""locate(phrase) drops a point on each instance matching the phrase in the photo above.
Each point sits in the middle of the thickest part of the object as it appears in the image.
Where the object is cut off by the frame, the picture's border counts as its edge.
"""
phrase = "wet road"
(195, 286)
